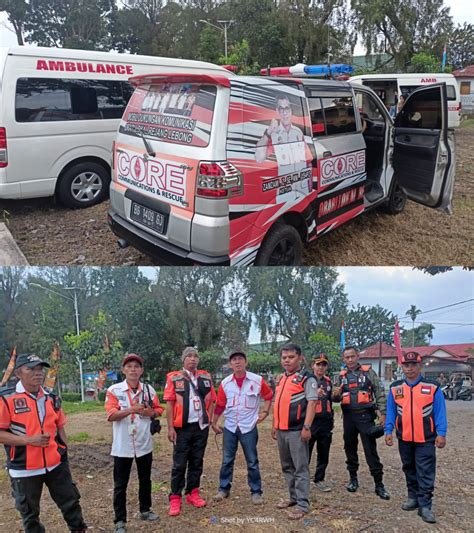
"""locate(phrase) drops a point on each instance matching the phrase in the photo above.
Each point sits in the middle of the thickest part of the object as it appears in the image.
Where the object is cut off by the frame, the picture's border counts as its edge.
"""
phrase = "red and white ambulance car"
(218, 170)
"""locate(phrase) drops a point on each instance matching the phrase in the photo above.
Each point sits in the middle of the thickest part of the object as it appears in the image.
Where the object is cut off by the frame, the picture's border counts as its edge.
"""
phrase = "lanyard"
(132, 416)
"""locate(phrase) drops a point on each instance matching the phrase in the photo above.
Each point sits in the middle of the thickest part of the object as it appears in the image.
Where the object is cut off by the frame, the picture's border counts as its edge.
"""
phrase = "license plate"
(147, 217)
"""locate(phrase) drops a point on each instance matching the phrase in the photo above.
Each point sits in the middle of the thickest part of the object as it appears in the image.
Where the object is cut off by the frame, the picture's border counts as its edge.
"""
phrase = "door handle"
(328, 153)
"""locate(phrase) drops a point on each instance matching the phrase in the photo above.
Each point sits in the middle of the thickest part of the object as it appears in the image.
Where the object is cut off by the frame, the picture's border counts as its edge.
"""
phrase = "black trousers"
(122, 468)
(419, 466)
(188, 455)
(357, 423)
(27, 493)
(321, 435)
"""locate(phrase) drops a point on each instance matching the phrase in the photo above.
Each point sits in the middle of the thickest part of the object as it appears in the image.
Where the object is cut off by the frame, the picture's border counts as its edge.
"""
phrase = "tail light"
(218, 179)
(3, 148)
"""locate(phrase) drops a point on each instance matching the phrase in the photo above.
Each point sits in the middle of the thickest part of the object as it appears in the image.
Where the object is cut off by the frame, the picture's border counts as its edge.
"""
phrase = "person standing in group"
(323, 423)
(361, 396)
(238, 398)
(417, 410)
(190, 398)
(130, 406)
(293, 413)
(32, 430)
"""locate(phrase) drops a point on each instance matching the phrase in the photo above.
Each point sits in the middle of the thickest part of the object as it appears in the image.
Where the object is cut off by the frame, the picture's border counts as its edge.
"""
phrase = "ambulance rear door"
(424, 148)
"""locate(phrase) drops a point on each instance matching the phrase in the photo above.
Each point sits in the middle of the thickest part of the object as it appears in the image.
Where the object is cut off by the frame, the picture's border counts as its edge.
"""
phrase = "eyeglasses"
(286, 109)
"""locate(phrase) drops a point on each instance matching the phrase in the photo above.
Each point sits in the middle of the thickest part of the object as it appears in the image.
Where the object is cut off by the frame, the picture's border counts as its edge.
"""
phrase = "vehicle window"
(47, 100)
(178, 113)
(317, 117)
(369, 108)
(422, 110)
(450, 90)
(339, 115)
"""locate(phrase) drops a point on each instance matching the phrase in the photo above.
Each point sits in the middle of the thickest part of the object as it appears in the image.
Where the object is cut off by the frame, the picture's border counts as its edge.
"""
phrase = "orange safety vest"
(25, 420)
(356, 389)
(289, 410)
(414, 420)
(177, 389)
(324, 404)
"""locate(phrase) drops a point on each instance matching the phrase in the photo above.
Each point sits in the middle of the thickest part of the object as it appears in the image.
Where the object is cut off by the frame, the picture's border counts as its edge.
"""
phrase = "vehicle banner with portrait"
(269, 140)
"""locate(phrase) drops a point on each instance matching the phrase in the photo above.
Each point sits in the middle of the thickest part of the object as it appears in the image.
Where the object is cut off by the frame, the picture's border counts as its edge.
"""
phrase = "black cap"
(30, 360)
(237, 352)
(411, 357)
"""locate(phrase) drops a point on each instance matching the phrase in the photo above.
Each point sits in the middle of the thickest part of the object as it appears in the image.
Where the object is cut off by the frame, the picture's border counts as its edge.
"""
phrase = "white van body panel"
(419, 80)
(39, 151)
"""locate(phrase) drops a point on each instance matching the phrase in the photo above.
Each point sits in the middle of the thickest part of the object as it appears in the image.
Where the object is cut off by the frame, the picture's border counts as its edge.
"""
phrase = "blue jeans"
(248, 441)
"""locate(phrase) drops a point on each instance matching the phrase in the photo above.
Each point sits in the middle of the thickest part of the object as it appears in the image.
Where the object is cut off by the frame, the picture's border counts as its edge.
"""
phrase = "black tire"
(282, 247)
(468, 397)
(84, 185)
(396, 201)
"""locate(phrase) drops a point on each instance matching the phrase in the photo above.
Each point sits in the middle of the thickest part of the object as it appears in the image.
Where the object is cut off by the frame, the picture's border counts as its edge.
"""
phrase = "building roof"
(456, 352)
(466, 72)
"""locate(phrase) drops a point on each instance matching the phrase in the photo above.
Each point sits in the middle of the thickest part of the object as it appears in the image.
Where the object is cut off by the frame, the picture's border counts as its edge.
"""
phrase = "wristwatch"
(305, 426)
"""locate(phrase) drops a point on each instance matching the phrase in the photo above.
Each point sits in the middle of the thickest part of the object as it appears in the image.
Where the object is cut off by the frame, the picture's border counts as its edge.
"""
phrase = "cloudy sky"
(397, 288)
(461, 12)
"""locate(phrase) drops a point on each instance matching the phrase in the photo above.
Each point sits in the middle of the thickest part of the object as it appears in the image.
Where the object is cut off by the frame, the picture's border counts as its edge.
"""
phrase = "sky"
(461, 11)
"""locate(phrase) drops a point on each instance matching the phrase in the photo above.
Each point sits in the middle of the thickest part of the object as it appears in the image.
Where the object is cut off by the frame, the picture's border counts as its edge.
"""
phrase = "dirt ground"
(334, 511)
(49, 234)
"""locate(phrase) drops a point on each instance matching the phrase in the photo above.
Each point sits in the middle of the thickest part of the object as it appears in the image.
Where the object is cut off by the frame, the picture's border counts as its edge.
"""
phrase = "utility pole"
(380, 351)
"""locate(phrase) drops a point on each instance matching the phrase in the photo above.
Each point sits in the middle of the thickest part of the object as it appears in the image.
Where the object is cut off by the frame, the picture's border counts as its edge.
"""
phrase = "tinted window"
(339, 115)
(450, 90)
(422, 110)
(46, 100)
(317, 117)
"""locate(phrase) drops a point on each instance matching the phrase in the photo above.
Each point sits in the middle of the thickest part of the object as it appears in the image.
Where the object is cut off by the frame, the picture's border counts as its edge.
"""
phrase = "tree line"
(122, 310)
(412, 33)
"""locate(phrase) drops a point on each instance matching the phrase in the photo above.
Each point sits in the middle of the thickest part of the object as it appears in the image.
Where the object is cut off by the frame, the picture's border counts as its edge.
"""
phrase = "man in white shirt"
(238, 398)
(130, 406)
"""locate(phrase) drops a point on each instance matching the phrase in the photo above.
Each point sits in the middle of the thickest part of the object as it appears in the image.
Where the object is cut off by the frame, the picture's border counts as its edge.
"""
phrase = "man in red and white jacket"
(238, 398)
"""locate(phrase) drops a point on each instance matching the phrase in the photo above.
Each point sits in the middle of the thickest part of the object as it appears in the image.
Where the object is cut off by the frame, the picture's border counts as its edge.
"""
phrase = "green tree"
(365, 325)
(17, 12)
(403, 28)
(264, 362)
(424, 62)
(70, 24)
(460, 48)
(210, 44)
(293, 303)
(321, 343)
(413, 312)
(419, 336)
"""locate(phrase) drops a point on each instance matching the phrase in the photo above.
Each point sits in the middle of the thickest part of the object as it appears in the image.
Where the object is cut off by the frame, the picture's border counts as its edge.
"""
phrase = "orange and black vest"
(324, 404)
(181, 385)
(289, 410)
(357, 389)
(25, 421)
(414, 421)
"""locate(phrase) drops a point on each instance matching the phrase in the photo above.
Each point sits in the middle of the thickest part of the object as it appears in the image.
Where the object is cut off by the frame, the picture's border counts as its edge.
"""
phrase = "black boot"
(381, 491)
(353, 484)
(427, 515)
(410, 504)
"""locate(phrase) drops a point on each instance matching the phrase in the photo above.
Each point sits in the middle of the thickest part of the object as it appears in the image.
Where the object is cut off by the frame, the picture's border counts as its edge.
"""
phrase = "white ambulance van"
(59, 112)
(219, 170)
(389, 86)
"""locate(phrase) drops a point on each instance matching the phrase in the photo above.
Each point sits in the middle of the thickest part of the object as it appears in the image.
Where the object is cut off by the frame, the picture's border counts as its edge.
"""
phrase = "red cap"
(411, 357)
(132, 357)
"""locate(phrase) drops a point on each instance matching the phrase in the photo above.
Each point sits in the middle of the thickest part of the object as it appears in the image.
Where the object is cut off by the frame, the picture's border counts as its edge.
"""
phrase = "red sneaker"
(194, 499)
(175, 505)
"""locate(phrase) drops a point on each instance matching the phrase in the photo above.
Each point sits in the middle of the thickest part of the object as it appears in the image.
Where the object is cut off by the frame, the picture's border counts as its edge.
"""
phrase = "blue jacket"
(439, 411)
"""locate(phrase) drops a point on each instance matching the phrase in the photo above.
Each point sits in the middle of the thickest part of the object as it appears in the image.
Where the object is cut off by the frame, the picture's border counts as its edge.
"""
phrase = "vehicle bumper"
(163, 251)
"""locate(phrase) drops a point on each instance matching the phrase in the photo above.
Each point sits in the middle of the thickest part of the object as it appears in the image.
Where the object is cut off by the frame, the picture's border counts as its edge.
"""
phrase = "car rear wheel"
(282, 247)
(396, 201)
(84, 185)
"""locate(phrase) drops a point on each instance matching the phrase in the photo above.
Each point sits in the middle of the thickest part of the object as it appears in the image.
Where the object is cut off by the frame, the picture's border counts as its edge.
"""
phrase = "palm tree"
(413, 312)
